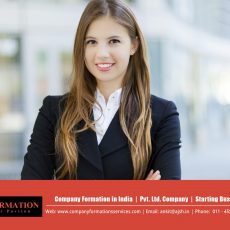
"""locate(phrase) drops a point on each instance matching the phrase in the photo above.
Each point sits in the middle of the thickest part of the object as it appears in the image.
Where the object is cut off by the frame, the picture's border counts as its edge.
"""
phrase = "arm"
(166, 144)
(40, 157)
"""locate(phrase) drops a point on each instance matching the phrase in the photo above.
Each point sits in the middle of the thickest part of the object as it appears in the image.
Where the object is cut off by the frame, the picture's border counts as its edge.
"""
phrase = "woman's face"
(107, 51)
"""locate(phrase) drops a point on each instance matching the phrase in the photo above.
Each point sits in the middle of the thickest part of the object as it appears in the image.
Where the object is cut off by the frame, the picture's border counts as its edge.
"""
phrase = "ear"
(134, 46)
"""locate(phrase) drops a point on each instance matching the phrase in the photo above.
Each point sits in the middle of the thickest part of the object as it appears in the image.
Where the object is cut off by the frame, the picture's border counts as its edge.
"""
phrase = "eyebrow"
(111, 37)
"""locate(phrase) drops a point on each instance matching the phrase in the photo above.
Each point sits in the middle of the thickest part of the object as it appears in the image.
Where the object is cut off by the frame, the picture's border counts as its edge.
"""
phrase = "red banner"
(115, 204)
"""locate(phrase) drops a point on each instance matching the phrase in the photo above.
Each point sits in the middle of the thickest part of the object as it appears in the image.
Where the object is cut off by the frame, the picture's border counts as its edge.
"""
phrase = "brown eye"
(114, 41)
(90, 42)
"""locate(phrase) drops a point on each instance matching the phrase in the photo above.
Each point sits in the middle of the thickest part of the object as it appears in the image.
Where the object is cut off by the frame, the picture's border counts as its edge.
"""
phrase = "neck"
(106, 90)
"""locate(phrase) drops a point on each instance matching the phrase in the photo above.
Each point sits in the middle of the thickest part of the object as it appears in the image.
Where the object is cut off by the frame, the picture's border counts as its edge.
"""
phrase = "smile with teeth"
(104, 66)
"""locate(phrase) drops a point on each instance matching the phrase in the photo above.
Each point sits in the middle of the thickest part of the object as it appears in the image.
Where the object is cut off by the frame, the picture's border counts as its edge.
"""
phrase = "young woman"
(108, 126)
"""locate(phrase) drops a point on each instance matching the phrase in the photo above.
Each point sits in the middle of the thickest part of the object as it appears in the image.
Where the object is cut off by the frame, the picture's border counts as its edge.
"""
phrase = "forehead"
(106, 26)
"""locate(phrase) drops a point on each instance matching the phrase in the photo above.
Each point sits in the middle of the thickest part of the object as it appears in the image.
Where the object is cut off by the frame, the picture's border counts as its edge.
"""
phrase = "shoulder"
(55, 100)
(162, 109)
(160, 105)
(52, 106)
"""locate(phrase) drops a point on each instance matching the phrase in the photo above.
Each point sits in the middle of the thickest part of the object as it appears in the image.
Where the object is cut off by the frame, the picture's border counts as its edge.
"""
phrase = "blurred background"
(189, 49)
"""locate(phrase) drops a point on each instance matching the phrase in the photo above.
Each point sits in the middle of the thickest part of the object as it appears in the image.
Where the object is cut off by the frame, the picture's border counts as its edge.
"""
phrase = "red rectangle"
(124, 204)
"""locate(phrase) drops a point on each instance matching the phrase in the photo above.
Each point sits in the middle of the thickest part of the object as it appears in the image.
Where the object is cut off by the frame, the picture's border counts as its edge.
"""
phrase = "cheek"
(88, 56)
(124, 56)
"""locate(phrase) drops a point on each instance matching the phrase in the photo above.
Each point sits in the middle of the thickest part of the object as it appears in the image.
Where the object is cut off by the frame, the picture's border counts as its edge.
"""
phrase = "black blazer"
(111, 159)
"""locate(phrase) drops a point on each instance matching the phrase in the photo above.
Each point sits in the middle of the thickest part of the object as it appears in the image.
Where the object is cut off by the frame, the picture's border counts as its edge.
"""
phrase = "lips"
(104, 67)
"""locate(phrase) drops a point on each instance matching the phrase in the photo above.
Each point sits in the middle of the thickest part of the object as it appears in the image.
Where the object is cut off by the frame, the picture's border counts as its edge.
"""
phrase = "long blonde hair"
(134, 111)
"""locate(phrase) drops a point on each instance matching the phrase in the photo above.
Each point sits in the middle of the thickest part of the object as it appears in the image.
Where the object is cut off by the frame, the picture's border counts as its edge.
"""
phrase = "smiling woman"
(108, 126)
(107, 52)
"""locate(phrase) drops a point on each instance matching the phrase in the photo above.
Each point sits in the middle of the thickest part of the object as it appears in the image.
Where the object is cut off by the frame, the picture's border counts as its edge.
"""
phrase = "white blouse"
(103, 118)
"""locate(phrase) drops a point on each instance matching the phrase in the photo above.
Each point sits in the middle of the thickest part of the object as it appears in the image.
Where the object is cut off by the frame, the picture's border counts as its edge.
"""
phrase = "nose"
(102, 51)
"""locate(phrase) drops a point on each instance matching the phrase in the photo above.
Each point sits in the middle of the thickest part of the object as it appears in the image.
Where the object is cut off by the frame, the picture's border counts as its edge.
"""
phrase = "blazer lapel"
(88, 148)
(113, 140)
(114, 137)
